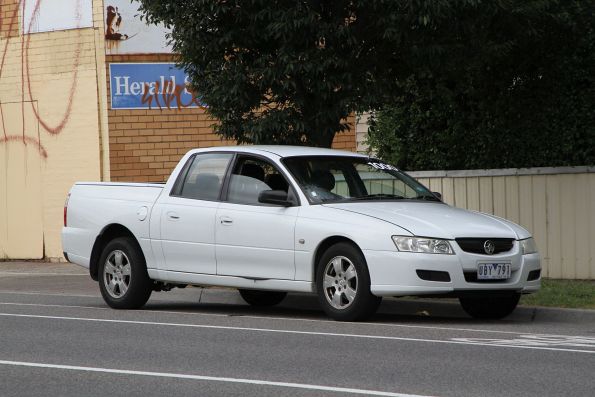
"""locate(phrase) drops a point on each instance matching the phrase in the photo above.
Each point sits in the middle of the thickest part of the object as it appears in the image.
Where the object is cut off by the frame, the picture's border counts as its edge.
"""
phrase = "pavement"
(57, 337)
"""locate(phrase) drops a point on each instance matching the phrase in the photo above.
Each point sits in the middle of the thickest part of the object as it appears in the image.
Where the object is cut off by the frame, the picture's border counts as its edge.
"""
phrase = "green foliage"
(288, 71)
(579, 294)
(470, 83)
(277, 71)
(507, 84)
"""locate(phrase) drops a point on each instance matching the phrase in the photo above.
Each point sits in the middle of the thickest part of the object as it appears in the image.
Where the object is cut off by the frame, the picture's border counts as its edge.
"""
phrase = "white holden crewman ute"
(268, 220)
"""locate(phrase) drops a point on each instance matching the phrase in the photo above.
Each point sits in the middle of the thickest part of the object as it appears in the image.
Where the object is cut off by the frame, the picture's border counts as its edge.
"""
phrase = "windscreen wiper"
(427, 197)
(378, 196)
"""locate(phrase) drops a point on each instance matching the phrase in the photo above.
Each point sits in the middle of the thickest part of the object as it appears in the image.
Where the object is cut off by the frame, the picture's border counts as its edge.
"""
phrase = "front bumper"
(394, 273)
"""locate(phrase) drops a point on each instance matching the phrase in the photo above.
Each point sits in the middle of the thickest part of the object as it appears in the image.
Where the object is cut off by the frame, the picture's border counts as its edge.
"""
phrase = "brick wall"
(9, 18)
(346, 140)
(145, 145)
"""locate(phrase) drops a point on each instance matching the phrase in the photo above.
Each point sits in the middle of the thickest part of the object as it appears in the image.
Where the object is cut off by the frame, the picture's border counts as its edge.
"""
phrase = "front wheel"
(123, 278)
(490, 306)
(262, 298)
(343, 284)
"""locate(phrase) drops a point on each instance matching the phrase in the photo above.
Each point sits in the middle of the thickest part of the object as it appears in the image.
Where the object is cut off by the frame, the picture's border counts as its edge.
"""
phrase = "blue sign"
(150, 86)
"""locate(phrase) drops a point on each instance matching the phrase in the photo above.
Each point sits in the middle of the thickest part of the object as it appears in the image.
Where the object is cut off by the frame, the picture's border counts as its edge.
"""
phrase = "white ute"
(275, 219)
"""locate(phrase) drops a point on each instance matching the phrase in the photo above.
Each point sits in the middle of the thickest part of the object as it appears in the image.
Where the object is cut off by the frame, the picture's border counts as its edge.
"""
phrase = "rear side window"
(204, 176)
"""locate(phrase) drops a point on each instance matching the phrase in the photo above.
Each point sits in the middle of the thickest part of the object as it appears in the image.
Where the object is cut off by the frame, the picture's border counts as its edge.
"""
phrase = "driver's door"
(255, 240)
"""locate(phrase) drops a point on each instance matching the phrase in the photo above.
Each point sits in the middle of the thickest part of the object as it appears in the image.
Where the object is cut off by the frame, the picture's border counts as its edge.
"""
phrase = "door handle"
(225, 220)
(173, 215)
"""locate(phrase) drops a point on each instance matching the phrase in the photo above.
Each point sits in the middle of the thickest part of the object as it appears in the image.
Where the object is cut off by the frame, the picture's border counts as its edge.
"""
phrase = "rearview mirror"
(275, 197)
(438, 195)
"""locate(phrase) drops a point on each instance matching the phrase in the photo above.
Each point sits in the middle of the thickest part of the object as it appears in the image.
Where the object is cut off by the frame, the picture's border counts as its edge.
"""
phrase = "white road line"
(49, 294)
(64, 306)
(210, 378)
(489, 331)
(40, 274)
(295, 332)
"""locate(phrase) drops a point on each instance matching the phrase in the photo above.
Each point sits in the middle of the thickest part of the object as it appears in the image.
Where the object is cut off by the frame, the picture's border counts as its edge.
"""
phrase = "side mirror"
(438, 195)
(275, 197)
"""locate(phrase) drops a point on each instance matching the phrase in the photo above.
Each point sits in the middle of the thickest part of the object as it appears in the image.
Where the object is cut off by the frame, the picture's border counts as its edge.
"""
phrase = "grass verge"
(576, 294)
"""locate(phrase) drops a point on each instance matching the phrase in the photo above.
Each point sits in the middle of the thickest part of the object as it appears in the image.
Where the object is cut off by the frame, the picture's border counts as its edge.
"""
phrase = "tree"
(286, 71)
(276, 71)
(521, 101)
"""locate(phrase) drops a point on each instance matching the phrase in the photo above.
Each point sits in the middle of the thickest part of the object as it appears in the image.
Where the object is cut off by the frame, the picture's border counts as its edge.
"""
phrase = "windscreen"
(326, 179)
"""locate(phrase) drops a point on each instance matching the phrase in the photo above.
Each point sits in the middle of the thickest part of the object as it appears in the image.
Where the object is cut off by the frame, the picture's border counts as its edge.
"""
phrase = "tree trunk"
(324, 139)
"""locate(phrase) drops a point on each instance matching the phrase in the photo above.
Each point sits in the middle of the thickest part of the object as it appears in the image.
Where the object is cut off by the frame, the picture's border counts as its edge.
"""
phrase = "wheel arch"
(325, 245)
(107, 234)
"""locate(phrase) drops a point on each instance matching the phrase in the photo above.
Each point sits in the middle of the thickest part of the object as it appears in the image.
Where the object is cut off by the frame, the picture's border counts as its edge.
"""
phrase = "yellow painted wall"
(51, 134)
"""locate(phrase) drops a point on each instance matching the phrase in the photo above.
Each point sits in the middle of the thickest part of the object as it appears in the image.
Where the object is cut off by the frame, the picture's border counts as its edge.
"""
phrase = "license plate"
(493, 271)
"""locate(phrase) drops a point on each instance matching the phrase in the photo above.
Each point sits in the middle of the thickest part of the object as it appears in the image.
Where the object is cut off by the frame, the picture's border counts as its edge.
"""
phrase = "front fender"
(316, 224)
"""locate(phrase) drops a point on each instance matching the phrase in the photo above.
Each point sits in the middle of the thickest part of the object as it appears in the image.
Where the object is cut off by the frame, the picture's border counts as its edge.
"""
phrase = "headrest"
(323, 179)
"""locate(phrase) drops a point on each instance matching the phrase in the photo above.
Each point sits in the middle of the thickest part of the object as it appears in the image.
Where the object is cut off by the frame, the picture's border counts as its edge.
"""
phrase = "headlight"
(528, 246)
(422, 244)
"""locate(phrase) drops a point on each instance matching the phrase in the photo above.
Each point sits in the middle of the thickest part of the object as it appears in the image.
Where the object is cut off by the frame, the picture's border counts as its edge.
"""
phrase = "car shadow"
(305, 306)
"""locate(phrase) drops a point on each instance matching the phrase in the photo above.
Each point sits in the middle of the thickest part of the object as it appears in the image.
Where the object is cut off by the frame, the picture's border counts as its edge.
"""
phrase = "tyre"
(262, 298)
(343, 284)
(490, 306)
(123, 278)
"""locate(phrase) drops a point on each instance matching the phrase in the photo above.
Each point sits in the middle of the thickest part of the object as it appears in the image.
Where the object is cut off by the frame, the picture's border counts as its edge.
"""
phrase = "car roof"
(283, 150)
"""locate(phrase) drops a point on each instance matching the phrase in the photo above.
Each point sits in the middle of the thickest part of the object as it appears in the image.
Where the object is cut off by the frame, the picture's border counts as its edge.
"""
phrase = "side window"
(251, 176)
(204, 176)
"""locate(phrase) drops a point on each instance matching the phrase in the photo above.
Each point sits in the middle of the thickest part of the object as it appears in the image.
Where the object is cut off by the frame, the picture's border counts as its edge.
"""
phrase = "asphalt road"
(58, 338)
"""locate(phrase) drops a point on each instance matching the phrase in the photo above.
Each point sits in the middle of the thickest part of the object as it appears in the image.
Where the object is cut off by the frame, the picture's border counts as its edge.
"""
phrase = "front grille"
(475, 245)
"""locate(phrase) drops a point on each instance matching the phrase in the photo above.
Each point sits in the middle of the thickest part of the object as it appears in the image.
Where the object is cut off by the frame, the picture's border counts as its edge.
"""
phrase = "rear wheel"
(123, 279)
(343, 284)
(262, 298)
(490, 306)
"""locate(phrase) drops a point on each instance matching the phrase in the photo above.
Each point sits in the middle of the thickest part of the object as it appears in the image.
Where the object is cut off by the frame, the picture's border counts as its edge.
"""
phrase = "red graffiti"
(26, 88)
(26, 140)
(169, 94)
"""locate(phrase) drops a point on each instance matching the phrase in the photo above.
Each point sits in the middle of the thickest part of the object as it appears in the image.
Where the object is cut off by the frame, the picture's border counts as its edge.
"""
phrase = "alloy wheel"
(340, 282)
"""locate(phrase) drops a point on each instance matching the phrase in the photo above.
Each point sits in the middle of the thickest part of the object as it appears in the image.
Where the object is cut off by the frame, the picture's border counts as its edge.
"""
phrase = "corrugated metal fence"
(557, 205)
